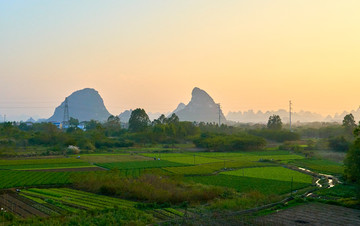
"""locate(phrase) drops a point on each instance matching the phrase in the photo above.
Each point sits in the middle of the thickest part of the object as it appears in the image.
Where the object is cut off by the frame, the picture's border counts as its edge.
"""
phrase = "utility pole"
(66, 113)
(290, 113)
(219, 106)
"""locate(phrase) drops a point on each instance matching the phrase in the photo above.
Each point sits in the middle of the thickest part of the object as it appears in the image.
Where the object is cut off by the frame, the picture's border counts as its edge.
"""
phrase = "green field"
(105, 158)
(140, 164)
(322, 166)
(32, 164)
(213, 167)
(31, 161)
(272, 173)
(210, 157)
(184, 158)
(268, 180)
(14, 178)
(247, 184)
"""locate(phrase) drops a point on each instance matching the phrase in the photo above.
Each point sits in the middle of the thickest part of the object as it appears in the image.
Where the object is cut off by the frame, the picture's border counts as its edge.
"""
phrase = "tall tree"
(113, 121)
(274, 122)
(173, 119)
(139, 120)
(74, 122)
(349, 123)
(352, 161)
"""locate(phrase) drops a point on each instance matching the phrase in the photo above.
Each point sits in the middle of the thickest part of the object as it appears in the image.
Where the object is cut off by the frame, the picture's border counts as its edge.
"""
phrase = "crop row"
(77, 198)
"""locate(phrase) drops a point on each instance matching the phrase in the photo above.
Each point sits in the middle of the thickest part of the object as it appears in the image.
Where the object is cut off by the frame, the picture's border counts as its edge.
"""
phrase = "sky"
(247, 54)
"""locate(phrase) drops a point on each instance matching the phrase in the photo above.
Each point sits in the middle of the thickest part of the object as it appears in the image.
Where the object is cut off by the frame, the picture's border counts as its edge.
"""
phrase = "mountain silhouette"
(201, 108)
(84, 105)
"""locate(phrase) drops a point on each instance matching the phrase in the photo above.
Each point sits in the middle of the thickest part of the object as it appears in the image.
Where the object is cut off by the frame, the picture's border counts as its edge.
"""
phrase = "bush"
(222, 142)
(150, 188)
(276, 135)
(339, 144)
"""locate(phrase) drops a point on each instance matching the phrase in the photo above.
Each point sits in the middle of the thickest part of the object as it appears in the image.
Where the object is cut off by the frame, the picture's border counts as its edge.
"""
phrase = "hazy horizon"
(246, 54)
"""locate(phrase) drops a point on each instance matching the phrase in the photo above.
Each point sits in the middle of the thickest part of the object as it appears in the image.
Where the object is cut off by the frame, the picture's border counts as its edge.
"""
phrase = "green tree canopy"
(74, 122)
(139, 120)
(274, 122)
(349, 123)
(113, 121)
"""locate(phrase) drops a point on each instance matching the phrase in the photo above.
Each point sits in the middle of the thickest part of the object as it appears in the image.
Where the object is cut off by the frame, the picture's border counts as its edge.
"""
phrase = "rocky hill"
(201, 108)
(84, 105)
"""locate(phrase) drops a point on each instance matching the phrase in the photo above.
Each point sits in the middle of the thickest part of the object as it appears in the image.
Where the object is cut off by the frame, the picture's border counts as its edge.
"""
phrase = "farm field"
(33, 164)
(56, 201)
(255, 157)
(320, 165)
(140, 164)
(272, 173)
(210, 157)
(15, 178)
(248, 184)
(185, 158)
(75, 198)
(106, 158)
(242, 171)
(213, 167)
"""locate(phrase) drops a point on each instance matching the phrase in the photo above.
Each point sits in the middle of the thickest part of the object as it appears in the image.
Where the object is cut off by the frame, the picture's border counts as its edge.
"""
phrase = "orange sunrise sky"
(151, 54)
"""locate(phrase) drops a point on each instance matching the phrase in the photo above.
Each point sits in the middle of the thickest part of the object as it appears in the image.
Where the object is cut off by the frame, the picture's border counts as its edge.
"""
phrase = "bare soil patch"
(312, 214)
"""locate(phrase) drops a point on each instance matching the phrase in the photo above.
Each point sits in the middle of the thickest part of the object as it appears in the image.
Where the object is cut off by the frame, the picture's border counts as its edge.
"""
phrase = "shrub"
(150, 188)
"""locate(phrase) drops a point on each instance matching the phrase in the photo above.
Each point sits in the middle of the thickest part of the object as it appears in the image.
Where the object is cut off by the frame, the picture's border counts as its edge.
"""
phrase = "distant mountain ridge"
(84, 105)
(87, 104)
(302, 116)
(201, 108)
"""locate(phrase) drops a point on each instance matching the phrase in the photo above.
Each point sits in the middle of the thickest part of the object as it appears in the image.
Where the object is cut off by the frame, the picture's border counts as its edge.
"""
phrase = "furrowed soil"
(312, 214)
(11, 203)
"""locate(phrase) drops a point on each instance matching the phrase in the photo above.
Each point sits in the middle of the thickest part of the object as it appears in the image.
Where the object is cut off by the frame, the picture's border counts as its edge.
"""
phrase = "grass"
(140, 164)
(320, 165)
(272, 173)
